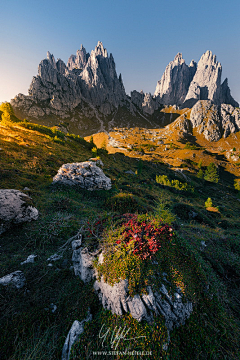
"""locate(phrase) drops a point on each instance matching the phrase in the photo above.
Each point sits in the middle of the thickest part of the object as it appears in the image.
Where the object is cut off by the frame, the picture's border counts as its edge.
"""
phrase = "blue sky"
(143, 36)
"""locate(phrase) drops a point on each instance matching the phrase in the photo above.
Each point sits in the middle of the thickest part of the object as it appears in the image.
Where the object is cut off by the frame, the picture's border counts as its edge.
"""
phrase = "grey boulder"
(15, 208)
(87, 175)
(16, 279)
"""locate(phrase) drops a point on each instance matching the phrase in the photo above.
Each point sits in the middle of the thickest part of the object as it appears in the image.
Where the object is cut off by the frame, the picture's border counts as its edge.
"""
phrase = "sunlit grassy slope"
(210, 278)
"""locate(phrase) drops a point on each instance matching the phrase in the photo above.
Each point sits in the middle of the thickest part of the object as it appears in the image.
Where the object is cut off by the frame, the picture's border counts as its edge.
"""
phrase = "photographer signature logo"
(116, 335)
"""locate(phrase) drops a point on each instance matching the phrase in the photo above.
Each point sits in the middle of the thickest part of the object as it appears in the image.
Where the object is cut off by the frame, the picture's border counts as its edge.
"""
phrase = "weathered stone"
(58, 89)
(76, 330)
(230, 117)
(205, 117)
(54, 257)
(30, 259)
(174, 84)
(15, 208)
(206, 83)
(85, 175)
(16, 279)
(82, 262)
(142, 307)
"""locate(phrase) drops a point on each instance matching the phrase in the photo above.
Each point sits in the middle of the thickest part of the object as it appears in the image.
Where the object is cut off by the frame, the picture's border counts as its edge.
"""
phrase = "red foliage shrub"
(148, 238)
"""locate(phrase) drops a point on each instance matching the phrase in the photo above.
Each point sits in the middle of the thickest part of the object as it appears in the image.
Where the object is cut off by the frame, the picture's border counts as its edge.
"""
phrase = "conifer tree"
(211, 174)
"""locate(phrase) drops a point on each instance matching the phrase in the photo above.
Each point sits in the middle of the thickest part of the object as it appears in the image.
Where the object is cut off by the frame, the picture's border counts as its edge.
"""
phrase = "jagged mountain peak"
(51, 59)
(100, 50)
(193, 64)
(179, 59)
(208, 56)
(174, 84)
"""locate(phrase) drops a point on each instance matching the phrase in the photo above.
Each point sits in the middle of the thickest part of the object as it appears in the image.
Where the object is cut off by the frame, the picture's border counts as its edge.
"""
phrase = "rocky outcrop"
(82, 261)
(142, 307)
(86, 95)
(206, 83)
(76, 330)
(205, 117)
(117, 299)
(15, 208)
(185, 85)
(174, 84)
(214, 121)
(182, 124)
(58, 89)
(230, 117)
(16, 278)
(226, 96)
(87, 175)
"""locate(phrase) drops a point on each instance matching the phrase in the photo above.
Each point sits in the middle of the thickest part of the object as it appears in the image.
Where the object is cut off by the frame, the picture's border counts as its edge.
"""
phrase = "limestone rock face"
(15, 208)
(86, 175)
(206, 83)
(205, 117)
(58, 89)
(213, 121)
(137, 98)
(230, 119)
(184, 85)
(117, 299)
(146, 102)
(79, 60)
(226, 96)
(174, 84)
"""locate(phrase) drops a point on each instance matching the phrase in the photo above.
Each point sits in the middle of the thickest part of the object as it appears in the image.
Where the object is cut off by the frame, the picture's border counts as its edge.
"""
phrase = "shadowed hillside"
(147, 180)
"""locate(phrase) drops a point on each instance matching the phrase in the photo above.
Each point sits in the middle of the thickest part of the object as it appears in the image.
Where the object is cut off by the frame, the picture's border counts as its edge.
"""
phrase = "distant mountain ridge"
(88, 93)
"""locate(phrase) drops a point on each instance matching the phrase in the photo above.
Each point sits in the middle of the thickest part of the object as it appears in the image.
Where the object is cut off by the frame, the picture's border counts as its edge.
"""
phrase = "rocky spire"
(79, 60)
(51, 59)
(206, 83)
(174, 84)
(226, 97)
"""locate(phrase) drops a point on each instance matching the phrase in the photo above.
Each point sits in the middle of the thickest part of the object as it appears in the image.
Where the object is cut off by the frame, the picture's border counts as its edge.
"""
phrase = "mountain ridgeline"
(86, 95)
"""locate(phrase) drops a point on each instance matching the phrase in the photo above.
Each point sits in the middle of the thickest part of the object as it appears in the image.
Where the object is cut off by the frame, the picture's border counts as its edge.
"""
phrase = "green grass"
(29, 330)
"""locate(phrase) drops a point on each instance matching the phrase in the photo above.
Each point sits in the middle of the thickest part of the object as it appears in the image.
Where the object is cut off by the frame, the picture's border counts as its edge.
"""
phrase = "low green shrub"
(211, 173)
(208, 203)
(163, 180)
(237, 184)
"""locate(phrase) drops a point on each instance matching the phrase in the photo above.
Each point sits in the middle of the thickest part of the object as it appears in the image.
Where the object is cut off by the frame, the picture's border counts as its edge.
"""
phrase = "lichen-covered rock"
(15, 208)
(76, 330)
(86, 175)
(16, 279)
